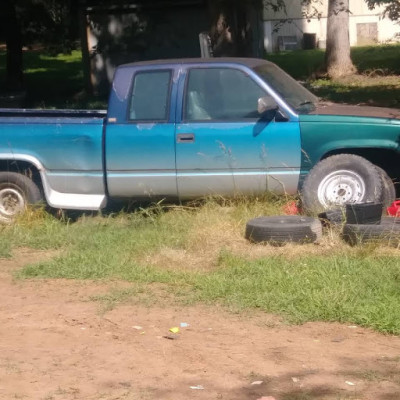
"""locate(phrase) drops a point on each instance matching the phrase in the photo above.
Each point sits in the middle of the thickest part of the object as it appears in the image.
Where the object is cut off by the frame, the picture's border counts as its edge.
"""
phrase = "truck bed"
(22, 112)
(65, 146)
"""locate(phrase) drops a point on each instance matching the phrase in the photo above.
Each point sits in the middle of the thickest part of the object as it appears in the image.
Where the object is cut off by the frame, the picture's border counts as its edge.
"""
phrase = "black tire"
(16, 192)
(389, 191)
(338, 180)
(385, 233)
(390, 220)
(281, 229)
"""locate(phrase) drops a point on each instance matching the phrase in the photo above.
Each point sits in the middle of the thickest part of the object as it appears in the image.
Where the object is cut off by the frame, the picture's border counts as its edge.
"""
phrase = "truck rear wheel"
(16, 192)
(341, 179)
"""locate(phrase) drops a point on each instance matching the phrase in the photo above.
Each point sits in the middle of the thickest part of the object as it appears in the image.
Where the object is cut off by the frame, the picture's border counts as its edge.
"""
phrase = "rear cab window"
(150, 94)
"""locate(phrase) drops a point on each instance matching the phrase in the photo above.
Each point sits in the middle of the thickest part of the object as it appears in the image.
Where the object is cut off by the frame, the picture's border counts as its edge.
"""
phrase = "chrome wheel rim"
(12, 202)
(341, 187)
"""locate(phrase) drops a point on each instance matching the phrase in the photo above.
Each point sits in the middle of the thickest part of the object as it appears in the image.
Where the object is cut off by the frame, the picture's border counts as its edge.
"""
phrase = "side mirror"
(265, 104)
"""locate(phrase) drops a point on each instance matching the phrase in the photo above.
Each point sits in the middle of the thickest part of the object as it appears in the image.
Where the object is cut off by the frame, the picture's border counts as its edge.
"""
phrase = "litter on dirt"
(198, 387)
(174, 329)
(257, 382)
(172, 336)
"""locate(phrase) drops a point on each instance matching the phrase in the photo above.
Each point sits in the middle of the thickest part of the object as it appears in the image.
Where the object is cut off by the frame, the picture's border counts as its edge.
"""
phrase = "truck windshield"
(295, 95)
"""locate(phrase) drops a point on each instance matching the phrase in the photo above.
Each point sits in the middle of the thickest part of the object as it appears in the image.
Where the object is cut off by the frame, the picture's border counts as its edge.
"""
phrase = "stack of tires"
(364, 223)
(356, 188)
(350, 181)
(278, 230)
(387, 232)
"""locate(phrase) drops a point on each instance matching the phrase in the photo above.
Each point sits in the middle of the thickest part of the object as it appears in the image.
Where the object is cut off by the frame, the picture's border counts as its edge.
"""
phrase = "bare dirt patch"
(56, 344)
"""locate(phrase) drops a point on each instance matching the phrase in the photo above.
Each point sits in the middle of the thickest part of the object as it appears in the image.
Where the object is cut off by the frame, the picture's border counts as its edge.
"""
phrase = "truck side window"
(221, 94)
(150, 94)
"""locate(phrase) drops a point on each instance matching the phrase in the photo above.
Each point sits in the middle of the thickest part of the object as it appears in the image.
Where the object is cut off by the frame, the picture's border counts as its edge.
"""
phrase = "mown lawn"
(57, 81)
(54, 81)
(377, 84)
(198, 254)
(370, 60)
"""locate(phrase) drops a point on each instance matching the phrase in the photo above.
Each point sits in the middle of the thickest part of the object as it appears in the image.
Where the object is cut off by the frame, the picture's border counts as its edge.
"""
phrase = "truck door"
(222, 145)
(140, 141)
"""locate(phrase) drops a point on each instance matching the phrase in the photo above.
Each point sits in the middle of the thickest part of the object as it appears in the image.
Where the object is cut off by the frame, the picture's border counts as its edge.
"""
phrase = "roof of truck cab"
(249, 62)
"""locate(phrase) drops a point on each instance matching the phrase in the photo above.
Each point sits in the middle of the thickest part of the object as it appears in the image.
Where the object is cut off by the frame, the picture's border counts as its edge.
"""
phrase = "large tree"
(392, 7)
(12, 33)
(337, 56)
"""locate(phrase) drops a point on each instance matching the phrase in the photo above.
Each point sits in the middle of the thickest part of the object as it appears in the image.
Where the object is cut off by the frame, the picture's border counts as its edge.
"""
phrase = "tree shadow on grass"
(54, 81)
(380, 95)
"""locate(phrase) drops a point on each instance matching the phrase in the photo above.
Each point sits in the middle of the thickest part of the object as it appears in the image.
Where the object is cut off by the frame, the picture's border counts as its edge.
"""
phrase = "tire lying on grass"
(338, 180)
(282, 229)
(16, 192)
(390, 220)
(387, 232)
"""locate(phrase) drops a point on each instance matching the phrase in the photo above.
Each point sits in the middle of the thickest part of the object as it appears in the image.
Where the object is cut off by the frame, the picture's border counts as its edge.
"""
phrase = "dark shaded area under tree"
(11, 32)
(232, 26)
(119, 32)
(24, 23)
(148, 30)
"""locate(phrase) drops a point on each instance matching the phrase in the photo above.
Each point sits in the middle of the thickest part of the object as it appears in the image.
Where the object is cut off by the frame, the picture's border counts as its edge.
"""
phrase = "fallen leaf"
(198, 387)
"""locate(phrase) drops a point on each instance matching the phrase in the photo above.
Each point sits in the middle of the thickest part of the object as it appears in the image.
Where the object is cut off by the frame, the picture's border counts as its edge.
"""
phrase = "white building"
(300, 27)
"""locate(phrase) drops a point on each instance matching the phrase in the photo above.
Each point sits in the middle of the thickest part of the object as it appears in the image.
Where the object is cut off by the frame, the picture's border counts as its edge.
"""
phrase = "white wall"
(297, 25)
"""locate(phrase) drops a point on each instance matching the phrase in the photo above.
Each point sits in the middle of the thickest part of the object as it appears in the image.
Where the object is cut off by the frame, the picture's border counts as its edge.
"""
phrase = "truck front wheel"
(341, 179)
(16, 192)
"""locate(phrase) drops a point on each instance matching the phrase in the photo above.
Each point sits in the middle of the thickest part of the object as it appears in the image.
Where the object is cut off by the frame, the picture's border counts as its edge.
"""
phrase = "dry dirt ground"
(56, 344)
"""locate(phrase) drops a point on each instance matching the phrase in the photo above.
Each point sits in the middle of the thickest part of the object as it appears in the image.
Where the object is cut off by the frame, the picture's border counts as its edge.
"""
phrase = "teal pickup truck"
(188, 128)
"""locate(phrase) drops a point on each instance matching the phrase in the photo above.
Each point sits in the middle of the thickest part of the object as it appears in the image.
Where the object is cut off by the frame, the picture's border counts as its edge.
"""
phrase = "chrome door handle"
(185, 138)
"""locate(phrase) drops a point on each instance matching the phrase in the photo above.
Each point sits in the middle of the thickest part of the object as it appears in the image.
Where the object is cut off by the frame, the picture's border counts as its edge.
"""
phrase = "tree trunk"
(13, 38)
(337, 55)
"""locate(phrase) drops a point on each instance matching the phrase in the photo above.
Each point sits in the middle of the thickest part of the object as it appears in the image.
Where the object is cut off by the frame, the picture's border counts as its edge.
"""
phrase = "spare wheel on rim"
(341, 179)
(282, 229)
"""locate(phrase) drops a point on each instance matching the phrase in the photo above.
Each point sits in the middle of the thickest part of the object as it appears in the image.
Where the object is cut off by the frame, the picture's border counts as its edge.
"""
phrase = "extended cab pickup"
(189, 128)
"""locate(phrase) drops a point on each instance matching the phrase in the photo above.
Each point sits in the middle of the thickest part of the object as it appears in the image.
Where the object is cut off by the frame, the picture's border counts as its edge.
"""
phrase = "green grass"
(57, 81)
(340, 288)
(198, 255)
(377, 84)
(300, 64)
(303, 64)
(54, 81)
(375, 91)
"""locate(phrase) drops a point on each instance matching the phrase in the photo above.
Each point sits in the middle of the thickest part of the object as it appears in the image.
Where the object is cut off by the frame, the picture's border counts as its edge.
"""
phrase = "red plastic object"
(394, 209)
(291, 208)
